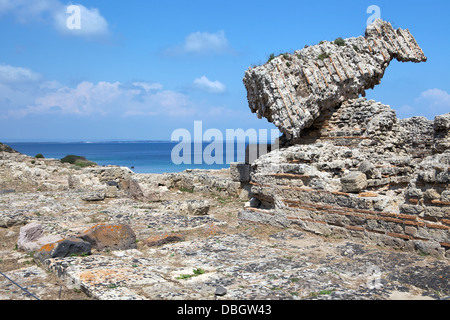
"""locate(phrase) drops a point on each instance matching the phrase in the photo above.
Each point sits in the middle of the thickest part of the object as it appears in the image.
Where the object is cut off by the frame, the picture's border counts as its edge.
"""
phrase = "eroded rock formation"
(292, 89)
(348, 167)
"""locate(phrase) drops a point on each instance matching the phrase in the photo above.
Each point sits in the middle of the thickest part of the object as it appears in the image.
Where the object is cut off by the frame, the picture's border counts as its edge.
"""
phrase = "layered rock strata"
(292, 90)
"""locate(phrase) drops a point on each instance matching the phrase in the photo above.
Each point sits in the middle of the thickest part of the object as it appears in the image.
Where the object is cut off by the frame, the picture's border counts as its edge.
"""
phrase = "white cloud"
(18, 87)
(24, 92)
(200, 42)
(204, 83)
(26, 11)
(10, 74)
(203, 43)
(55, 12)
(92, 23)
(436, 97)
(430, 103)
(148, 86)
(88, 98)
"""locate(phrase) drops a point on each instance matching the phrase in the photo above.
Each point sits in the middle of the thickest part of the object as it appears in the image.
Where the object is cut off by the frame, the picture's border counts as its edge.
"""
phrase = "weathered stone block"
(414, 193)
(197, 207)
(411, 230)
(111, 192)
(63, 249)
(6, 191)
(93, 196)
(240, 171)
(29, 233)
(429, 247)
(135, 189)
(132, 187)
(368, 169)
(112, 237)
(445, 196)
(431, 194)
(34, 246)
(354, 182)
(32, 238)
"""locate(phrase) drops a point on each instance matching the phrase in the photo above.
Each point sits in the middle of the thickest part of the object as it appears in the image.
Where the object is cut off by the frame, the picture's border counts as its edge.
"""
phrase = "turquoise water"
(144, 157)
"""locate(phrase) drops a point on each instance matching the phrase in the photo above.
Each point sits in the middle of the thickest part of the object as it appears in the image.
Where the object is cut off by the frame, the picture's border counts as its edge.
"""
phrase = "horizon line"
(115, 141)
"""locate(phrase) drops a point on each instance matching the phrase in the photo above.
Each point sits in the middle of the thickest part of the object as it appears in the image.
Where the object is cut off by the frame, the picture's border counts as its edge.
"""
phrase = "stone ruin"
(292, 90)
(347, 167)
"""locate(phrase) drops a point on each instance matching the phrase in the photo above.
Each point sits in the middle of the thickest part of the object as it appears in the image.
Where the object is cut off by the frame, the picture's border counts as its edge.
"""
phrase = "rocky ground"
(190, 250)
(370, 194)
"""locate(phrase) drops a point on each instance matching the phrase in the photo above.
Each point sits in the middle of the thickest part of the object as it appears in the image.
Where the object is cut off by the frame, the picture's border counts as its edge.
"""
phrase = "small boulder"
(32, 238)
(197, 207)
(429, 247)
(93, 196)
(110, 237)
(354, 182)
(34, 246)
(8, 222)
(190, 207)
(111, 192)
(112, 184)
(63, 249)
(369, 170)
(220, 291)
(132, 187)
(29, 233)
(412, 192)
(135, 190)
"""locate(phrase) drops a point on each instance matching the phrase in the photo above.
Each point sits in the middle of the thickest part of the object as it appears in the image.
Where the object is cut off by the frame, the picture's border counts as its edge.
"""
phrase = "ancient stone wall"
(347, 166)
(356, 177)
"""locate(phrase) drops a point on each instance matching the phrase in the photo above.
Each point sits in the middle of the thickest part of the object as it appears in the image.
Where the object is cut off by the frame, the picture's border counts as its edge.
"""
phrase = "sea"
(139, 156)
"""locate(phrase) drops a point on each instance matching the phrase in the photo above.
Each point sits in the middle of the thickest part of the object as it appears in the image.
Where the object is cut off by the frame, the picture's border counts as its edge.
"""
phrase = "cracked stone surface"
(250, 261)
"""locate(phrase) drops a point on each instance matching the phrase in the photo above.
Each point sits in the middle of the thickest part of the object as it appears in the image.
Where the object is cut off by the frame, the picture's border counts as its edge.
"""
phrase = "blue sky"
(138, 70)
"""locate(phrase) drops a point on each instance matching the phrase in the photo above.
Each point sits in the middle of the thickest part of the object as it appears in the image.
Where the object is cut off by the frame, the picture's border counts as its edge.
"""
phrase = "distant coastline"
(139, 156)
(19, 141)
